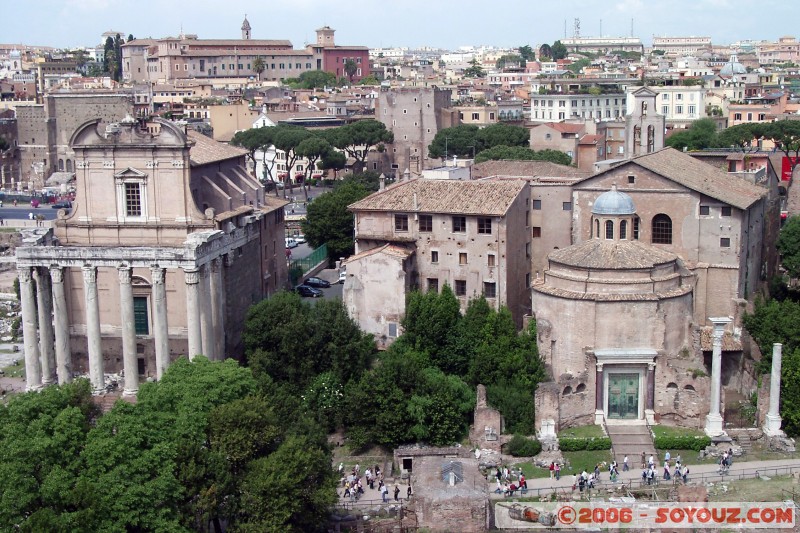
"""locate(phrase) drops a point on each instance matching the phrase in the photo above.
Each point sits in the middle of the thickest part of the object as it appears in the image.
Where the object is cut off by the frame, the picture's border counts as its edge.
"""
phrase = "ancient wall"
(488, 424)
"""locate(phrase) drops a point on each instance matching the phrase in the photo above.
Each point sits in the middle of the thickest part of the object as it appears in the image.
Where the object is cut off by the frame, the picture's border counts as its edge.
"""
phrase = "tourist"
(523, 483)
(651, 462)
(685, 474)
(644, 461)
(499, 474)
(558, 473)
(552, 469)
(677, 472)
(408, 493)
(667, 456)
(678, 459)
(625, 466)
(384, 493)
(396, 493)
(499, 488)
(510, 489)
(666, 470)
(597, 471)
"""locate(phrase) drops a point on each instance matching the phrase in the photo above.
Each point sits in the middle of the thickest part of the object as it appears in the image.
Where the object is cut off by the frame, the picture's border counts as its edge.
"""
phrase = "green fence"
(299, 267)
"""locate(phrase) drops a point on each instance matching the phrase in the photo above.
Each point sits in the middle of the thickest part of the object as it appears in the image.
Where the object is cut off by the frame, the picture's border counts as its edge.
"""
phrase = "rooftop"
(611, 255)
(527, 169)
(207, 150)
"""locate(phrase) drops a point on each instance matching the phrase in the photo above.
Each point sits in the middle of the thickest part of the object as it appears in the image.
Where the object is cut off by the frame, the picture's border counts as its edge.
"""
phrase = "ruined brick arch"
(580, 388)
(688, 387)
(567, 391)
(672, 386)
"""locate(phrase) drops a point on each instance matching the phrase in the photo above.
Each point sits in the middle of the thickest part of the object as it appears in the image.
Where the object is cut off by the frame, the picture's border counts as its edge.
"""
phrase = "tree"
(458, 140)
(786, 136)
(369, 80)
(474, 70)
(350, 68)
(510, 60)
(503, 134)
(527, 52)
(545, 51)
(313, 79)
(333, 160)
(288, 138)
(788, 245)
(254, 140)
(312, 148)
(329, 222)
(358, 138)
(108, 48)
(559, 51)
(430, 326)
(701, 134)
(521, 153)
(259, 66)
(743, 137)
(578, 66)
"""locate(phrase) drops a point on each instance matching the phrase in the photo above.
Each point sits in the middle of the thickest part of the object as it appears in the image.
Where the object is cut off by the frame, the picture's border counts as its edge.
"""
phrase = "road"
(21, 212)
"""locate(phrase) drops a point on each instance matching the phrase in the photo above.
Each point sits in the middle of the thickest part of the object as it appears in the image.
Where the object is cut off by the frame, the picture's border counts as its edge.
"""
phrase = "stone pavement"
(547, 485)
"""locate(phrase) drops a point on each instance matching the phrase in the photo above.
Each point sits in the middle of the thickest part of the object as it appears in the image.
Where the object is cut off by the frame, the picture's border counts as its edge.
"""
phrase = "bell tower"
(245, 29)
(644, 126)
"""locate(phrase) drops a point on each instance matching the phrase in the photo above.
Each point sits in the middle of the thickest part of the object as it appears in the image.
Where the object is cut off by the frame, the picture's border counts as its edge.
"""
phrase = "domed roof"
(732, 67)
(602, 254)
(613, 202)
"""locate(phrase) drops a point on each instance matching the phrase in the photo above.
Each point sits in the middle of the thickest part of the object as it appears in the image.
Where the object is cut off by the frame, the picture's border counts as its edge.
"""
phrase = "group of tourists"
(726, 461)
(506, 486)
(354, 487)
(650, 475)
(586, 480)
(555, 470)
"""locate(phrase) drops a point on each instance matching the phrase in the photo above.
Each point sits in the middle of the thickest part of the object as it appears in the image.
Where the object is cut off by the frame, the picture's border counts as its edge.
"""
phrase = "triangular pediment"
(644, 91)
(130, 173)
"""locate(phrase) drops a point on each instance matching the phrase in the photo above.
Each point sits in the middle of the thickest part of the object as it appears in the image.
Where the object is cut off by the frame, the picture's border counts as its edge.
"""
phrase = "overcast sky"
(386, 23)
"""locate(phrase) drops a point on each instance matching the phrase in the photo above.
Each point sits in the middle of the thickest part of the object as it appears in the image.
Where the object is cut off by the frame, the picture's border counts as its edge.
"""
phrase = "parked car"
(300, 239)
(342, 275)
(308, 291)
(291, 243)
(317, 282)
(62, 205)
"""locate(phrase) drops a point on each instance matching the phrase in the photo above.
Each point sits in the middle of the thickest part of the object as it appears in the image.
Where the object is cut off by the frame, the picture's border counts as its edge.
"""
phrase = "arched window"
(69, 165)
(60, 165)
(567, 391)
(597, 228)
(623, 230)
(580, 388)
(609, 229)
(661, 230)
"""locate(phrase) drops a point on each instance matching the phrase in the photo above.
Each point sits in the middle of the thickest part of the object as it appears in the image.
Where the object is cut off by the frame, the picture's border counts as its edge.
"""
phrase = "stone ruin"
(487, 429)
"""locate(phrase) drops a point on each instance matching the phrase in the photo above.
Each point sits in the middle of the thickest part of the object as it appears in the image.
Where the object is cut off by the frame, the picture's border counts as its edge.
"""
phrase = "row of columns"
(46, 333)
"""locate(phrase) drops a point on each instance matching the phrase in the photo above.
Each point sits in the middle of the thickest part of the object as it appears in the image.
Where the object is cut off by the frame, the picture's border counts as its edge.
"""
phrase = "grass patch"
(671, 431)
(582, 432)
(584, 459)
(532, 471)
(15, 371)
(752, 490)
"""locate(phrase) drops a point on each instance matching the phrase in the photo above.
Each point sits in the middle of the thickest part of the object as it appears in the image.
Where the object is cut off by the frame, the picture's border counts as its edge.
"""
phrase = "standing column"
(193, 312)
(127, 321)
(772, 425)
(714, 418)
(63, 354)
(44, 301)
(96, 375)
(160, 331)
(218, 307)
(33, 367)
(599, 408)
(649, 410)
(206, 315)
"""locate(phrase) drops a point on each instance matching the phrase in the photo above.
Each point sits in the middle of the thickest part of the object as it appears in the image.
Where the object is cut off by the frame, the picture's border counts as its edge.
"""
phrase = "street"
(22, 211)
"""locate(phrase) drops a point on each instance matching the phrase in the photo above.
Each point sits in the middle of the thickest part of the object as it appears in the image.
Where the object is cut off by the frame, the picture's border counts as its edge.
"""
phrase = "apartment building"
(680, 105)
(563, 106)
(680, 46)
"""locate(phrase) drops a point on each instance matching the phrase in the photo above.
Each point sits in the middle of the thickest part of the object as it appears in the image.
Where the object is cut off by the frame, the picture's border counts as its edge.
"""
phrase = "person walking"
(408, 492)
(396, 493)
(666, 470)
(644, 461)
(552, 469)
(625, 466)
(384, 494)
(558, 473)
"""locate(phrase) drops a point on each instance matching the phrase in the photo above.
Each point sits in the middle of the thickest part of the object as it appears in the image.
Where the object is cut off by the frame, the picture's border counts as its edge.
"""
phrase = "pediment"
(130, 173)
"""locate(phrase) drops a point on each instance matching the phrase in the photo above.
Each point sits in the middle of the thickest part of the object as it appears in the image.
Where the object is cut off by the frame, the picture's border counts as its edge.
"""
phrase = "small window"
(426, 223)
(609, 229)
(401, 222)
(566, 206)
(636, 228)
(725, 211)
(433, 284)
(623, 230)
(536, 232)
(434, 256)
(462, 258)
(392, 330)
(133, 200)
(491, 260)
(725, 242)
(662, 230)
(490, 289)
(631, 179)
(461, 287)
(537, 204)
(705, 210)
(140, 321)
(459, 224)
(484, 225)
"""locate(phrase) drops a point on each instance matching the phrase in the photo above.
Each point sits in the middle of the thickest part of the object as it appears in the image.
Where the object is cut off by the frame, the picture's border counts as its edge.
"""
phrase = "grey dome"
(613, 202)
(732, 67)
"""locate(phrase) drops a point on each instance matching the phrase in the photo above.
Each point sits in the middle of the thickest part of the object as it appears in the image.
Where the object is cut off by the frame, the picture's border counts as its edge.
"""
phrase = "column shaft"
(44, 300)
(206, 315)
(33, 366)
(61, 319)
(195, 341)
(218, 307)
(775, 381)
(716, 377)
(96, 373)
(127, 322)
(160, 331)
(598, 388)
(651, 386)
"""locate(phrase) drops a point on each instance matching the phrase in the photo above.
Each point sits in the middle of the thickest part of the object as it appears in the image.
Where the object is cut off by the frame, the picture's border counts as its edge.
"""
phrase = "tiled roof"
(566, 127)
(729, 342)
(590, 139)
(389, 249)
(611, 255)
(207, 150)
(264, 52)
(699, 176)
(444, 196)
(527, 169)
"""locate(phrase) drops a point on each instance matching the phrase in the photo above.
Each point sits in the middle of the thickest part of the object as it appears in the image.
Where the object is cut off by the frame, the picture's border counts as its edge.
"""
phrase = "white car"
(291, 243)
(342, 275)
(300, 239)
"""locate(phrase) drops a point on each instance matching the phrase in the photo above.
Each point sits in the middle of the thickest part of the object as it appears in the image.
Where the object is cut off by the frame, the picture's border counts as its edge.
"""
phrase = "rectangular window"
(725, 242)
(566, 206)
(433, 284)
(725, 211)
(401, 222)
(475, 116)
(461, 287)
(705, 210)
(678, 109)
(392, 329)
(133, 200)
(462, 258)
(484, 225)
(459, 224)
(426, 223)
(140, 321)
(490, 289)
(527, 249)
(665, 110)
(536, 232)
(434, 256)
(631, 179)
(491, 260)
(692, 109)
(537, 204)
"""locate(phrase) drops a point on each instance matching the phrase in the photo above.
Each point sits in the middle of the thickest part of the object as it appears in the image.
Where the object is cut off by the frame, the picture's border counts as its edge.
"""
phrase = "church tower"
(325, 36)
(644, 126)
(245, 29)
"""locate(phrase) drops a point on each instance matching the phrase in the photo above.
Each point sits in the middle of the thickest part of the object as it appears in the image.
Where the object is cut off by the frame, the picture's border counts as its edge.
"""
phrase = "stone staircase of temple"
(631, 440)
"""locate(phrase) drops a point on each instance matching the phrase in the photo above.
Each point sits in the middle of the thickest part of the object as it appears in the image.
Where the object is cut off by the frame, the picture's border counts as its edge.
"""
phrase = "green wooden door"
(623, 396)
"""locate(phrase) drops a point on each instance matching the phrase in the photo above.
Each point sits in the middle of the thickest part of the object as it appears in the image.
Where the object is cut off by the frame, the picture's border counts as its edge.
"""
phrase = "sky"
(388, 23)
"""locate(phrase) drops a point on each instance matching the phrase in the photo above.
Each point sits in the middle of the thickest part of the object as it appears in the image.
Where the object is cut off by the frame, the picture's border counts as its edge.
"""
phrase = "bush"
(520, 446)
(682, 442)
(576, 445)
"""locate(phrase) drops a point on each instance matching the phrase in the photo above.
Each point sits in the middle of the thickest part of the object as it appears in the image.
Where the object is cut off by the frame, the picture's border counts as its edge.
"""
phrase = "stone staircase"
(631, 440)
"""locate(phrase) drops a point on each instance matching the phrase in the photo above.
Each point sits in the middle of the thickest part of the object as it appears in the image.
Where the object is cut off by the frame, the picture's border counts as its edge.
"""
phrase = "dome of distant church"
(732, 68)
(613, 202)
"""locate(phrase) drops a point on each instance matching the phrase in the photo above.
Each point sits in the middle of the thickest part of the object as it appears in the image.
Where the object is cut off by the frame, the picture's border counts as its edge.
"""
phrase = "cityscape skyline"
(81, 22)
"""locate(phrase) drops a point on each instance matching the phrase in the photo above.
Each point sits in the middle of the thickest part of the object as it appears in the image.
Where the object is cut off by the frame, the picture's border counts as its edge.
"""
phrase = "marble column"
(649, 410)
(33, 366)
(128, 325)
(44, 301)
(61, 319)
(160, 330)
(96, 373)
(195, 340)
(599, 408)
(217, 301)
(772, 425)
(206, 315)
(714, 418)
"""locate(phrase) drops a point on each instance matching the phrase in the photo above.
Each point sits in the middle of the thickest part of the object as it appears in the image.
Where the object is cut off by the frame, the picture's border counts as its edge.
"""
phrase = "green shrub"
(520, 446)
(576, 445)
(682, 442)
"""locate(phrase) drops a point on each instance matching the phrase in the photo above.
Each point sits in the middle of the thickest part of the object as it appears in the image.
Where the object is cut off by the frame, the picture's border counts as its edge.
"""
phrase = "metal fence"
(299, 267)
